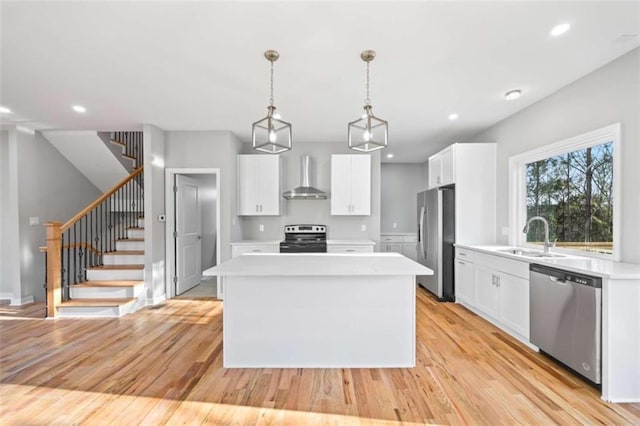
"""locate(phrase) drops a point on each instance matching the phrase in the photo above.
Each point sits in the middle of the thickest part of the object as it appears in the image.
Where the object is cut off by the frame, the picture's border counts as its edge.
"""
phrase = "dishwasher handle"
(557, 280)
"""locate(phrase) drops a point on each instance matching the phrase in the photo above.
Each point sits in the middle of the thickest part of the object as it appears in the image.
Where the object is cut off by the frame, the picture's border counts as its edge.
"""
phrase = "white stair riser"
(141, 222)
(106, 292)
(135, 233)
(123, 259)
(96, 311)
(115, 275)
(129, 245)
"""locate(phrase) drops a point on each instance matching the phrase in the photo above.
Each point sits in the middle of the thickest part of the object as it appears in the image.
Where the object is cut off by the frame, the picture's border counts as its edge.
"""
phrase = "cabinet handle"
(462, 254)
(257, 251)
(349, 250)
(257, 208)
(461, 263)
(260, 208)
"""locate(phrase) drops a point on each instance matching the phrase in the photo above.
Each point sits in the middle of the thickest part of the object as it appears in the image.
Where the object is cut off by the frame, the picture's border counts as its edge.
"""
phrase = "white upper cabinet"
(351, 184)
(442, 168)
(471, 167)
(259, 185)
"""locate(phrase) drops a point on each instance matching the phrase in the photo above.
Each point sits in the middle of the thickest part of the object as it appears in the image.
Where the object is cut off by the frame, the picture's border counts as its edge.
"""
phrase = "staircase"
(95, 261)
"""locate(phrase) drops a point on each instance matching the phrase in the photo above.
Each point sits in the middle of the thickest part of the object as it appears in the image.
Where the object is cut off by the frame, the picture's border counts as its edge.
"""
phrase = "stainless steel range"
(304, 239)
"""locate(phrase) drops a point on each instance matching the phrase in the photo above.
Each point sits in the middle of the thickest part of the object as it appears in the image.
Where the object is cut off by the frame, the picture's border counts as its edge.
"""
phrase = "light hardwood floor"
(163, 365)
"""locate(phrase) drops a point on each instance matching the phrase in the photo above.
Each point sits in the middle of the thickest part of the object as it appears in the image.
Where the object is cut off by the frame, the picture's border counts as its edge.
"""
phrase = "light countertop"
(329, 242)
(255, 242)
(351, 243)
(318, 264)
(586, 265)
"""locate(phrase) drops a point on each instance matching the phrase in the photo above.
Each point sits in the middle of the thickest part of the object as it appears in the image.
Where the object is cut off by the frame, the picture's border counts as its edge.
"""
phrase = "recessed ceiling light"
(453, 116)
(389, 155)
(5, 110)
(79, 109)
(560, 29)
(513, 94)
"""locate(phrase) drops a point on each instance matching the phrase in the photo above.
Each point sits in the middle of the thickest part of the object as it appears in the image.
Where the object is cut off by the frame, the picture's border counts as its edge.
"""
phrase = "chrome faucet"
(547, 244)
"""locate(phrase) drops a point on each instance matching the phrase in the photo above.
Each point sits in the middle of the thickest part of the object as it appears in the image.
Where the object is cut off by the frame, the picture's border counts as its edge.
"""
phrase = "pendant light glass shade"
(368, 133)
(271, 135)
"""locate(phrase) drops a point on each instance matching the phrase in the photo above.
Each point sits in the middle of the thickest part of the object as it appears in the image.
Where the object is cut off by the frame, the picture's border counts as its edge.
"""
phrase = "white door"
(188, 234)
(361, 185)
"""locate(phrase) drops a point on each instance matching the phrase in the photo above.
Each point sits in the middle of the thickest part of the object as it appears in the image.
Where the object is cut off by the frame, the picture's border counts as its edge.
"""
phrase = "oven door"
(290, 247)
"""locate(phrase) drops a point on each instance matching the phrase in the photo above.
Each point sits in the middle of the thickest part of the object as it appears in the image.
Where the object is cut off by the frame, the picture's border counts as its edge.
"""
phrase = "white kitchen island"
(319, 310)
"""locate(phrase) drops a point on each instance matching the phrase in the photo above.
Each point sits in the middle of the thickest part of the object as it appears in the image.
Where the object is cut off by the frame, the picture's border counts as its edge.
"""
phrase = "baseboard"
(6, 296)
(156, 300)
(23, 301)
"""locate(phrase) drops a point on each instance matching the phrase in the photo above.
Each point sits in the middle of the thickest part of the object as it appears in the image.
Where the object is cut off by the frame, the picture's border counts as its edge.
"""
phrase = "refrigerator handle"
(425, 243)
(420, 228)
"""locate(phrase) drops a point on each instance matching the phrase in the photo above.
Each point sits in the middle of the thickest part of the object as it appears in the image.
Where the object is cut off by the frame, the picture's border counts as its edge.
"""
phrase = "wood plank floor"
(163, 365)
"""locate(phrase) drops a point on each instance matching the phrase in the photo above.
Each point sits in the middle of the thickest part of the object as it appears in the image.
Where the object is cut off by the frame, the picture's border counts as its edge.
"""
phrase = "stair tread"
(116, 267)
(110, 283)
(130, 239)
(96, 302)
(128, 156)
(126, 252)
(118, 142)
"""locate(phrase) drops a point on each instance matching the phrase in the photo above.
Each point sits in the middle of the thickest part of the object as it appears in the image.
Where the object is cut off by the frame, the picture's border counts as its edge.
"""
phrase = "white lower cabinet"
(349, 249)
(465, 290)
(496, 288)
(237, 250)
(406, 245)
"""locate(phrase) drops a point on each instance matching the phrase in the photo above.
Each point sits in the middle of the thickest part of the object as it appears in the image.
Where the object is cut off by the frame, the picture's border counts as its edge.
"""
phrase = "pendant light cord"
(271, 96)
(367, 100)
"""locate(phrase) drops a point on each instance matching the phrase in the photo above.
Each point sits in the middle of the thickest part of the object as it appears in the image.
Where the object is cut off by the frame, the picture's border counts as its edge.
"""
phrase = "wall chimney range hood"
(305, 191)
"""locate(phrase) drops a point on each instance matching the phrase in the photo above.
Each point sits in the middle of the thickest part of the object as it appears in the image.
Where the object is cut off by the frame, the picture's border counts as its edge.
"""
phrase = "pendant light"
(368, 133)
(270, 134)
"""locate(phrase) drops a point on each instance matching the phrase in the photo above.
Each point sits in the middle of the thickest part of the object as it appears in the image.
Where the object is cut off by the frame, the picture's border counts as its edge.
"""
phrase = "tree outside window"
(574, 192)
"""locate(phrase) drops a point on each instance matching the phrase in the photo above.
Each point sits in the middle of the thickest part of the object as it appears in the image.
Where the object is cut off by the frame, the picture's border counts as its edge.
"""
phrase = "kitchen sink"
(529, 253)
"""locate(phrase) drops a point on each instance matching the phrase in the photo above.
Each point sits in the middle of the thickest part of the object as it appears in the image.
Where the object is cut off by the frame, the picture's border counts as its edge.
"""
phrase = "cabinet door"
(393, 248)
(435, 171)
(340, 184)
(447, 168)
(361, 185)
(514, 303)
(465, 281)
(248, 185)
(410, 250)
(486, 294)
(269, 185)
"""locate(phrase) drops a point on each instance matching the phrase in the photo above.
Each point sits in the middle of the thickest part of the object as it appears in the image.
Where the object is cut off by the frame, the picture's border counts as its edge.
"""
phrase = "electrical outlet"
(363, 227)
(261, 228)
(34, 221)
(395, 225)
(505, 231)
(233, 221)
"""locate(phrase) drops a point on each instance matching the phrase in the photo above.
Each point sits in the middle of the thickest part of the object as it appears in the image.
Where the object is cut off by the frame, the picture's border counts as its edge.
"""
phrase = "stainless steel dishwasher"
(565, 318)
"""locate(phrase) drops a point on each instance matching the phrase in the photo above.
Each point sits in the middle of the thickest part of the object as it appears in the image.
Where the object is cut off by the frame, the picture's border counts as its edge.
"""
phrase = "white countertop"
(351, 243)
(255, 242)
(318, 264)
(586, 265)
(329, 242)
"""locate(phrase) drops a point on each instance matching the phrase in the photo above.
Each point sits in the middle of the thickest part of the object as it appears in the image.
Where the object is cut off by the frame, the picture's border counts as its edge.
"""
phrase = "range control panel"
(305, 228)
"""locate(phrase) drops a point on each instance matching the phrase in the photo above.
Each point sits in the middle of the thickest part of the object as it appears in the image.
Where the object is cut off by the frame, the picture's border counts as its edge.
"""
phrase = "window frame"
(518, 187)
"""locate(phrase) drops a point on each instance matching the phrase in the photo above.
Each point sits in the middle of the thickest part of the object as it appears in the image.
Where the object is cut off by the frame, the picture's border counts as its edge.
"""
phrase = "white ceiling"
(199, 65)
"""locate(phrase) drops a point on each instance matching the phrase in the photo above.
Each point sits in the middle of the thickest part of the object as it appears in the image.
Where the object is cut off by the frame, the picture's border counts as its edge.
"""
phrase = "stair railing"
(81, 242)
(133, 146)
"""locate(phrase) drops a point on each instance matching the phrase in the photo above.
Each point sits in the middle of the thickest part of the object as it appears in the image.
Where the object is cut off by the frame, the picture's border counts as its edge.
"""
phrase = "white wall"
(316, 211)
(608, 95)
(37, 181)
(400, 183)
(210, 149)
(154, 205)
(208, 196)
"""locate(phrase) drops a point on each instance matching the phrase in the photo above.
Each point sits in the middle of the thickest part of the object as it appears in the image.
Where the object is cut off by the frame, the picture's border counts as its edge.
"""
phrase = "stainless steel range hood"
(305, 191)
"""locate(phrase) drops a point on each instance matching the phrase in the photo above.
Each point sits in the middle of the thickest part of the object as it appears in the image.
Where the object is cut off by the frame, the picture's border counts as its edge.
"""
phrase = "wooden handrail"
(88, 246)
(100, 199)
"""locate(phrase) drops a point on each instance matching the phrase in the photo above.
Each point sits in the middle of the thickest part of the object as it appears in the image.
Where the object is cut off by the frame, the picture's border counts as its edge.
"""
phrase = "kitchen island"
(319, 310)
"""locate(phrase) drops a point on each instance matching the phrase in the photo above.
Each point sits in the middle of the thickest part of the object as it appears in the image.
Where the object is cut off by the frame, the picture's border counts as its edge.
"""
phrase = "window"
(574, 185)
(574, 192)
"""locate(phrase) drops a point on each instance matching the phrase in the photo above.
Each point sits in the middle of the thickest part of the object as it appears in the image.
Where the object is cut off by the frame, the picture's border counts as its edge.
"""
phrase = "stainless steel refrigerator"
(436, 236)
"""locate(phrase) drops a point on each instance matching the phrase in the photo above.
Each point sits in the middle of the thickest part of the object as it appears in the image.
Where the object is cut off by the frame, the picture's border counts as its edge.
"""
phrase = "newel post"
(54, 267)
